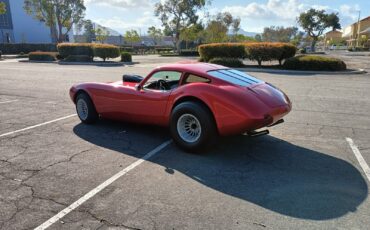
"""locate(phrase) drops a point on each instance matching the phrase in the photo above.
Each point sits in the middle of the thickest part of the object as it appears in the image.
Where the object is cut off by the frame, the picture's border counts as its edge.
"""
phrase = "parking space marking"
(359, 157)
(38, 125)
(103, 185)
(4, 102)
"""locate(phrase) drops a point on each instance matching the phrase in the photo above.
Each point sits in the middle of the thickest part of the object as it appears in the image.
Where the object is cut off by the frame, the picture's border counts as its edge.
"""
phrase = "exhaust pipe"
(257, 133)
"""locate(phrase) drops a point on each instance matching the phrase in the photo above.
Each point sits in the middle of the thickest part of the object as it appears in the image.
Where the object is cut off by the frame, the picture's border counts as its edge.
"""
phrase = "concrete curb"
(302, 72)
(109, 64)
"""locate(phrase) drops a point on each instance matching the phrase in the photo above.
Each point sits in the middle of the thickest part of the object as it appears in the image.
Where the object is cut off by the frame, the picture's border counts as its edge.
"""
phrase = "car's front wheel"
(192, 126)
(86, 109)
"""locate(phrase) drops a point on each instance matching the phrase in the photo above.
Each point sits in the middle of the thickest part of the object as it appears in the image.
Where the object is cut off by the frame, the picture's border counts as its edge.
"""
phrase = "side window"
(163, 80)
(191, 78)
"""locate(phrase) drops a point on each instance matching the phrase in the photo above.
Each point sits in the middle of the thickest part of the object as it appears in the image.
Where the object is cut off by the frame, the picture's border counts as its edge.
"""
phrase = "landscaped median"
(233, 54)
(69, 53)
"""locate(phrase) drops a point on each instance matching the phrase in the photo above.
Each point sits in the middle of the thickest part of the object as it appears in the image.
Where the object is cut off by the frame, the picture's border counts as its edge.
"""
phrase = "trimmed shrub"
(269, 51)
(289, 51)
(302, 51)
(126, 57)
(67, 49)
(78, 58)
(189, 53)
(42, 56)
(221, 50)
(106, 51)
(358, 49)
(22, 55)
(126, 49)
(263, 51)
(313, 62)
(229, 62)
(163, 50)
(16, 48)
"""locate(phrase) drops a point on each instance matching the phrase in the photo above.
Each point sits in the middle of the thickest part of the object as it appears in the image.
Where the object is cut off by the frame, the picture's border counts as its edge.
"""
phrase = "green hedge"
(229, 62)
(189, 53)
(67, 49)
(78, 58)
(258, 51)
(17, 48)
(269, 51)
(42, 56)
(163, 49)
(313, 62)
(106, 51)
(221, 50)
(126, 57)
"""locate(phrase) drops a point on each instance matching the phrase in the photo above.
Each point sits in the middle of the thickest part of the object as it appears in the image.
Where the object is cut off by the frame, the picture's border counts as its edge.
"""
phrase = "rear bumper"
(247, 124)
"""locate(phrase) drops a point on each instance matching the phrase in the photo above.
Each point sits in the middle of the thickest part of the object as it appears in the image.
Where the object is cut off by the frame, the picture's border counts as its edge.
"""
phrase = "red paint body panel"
(236, 109)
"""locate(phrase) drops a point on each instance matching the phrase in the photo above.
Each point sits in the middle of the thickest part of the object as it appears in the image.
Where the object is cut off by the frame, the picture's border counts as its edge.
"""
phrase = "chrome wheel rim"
(189, 128)
(82, 109)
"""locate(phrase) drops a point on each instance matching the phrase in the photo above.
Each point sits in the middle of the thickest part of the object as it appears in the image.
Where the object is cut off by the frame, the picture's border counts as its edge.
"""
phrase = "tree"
(279, 34)
(191, 33)
(132, 36)
(89, 32)
(236, 26)
(101, 34)
(178, 14)
(258, 37)
(2, 8)
(243, 38)
(333, 21)
(155, 34)
(297, 39)
(314, 22)
(59, 15)
(216, 31)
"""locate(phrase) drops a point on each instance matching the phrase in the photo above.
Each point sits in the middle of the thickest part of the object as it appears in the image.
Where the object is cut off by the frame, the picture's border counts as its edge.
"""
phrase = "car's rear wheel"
(86, 109)
(192, 126)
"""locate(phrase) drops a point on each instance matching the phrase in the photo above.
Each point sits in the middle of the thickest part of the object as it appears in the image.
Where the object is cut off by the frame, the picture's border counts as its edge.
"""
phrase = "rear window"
(234, 76)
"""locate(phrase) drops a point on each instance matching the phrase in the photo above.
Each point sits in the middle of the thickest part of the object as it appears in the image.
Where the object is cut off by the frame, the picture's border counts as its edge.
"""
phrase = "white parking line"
(38, 125)
(103, 185)
(359, 157)
(4, 102)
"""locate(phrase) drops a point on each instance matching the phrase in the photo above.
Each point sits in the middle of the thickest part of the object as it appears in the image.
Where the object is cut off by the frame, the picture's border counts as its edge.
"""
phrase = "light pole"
(358, 29)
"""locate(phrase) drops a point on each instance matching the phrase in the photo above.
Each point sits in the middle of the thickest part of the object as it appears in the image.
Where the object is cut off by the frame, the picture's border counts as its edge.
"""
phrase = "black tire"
(91, 115)
(208, 134)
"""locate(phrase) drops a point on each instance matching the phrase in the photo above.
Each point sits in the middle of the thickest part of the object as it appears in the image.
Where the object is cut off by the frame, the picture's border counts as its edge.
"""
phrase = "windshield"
(234, 76)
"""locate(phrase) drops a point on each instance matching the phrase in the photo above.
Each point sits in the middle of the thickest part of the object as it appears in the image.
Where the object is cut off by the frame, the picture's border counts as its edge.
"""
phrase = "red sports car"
(198, 101)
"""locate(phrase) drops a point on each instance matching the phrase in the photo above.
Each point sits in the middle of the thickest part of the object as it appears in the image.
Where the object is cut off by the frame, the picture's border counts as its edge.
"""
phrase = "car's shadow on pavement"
(270, 172)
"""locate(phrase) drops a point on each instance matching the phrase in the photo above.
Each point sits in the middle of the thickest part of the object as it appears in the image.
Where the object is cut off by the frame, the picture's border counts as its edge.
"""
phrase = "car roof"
(192, 66)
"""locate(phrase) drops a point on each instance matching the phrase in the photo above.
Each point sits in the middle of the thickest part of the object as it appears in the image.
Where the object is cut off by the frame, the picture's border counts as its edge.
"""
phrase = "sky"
(122, 15)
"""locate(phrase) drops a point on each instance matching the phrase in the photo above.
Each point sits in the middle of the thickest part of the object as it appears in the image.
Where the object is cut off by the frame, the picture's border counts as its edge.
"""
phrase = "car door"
(148, 103)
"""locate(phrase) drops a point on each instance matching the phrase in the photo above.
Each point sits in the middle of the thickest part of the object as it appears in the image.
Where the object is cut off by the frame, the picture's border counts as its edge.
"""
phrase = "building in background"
(16, 26)
(358, 34)
(333, 37)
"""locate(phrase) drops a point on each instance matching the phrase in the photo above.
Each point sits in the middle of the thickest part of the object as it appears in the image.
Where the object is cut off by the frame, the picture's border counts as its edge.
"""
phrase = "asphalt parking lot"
(304, 175)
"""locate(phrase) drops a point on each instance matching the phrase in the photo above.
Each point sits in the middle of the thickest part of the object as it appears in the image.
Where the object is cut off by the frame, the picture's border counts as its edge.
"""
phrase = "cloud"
(122, 25)
(283, 9)
(350, 11)
(123, 4)
(284, 12)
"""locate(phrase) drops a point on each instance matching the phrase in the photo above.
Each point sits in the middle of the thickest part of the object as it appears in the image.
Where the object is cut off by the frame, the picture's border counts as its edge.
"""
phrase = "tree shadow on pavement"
(269, 172)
